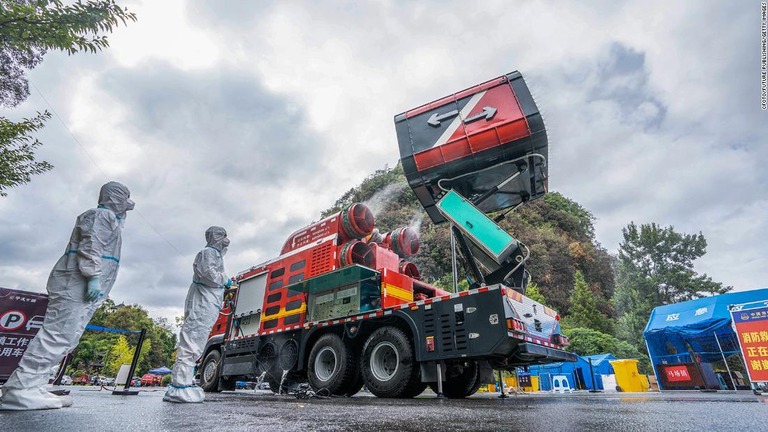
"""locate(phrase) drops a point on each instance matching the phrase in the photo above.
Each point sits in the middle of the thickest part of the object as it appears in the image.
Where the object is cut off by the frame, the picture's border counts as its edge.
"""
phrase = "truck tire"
(332, 365)
(388, 365)
(460, 382)
(209, 371)
(417, 387)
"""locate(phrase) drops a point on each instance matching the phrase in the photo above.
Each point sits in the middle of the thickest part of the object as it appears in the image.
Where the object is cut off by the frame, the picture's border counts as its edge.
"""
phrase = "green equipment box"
(345, 292)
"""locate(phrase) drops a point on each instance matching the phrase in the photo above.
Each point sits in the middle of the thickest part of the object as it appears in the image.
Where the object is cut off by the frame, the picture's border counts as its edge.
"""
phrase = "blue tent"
(687, 342)
(577, 372)
(601, 365)
(162, 370)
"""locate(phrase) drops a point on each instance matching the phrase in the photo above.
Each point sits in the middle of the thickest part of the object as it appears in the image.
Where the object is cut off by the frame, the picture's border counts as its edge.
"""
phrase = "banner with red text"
(751, 326)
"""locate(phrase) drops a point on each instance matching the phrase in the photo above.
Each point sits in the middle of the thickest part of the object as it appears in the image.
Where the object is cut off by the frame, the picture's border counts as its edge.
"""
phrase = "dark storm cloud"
(217, 149)
(623, 77)
(243, 132)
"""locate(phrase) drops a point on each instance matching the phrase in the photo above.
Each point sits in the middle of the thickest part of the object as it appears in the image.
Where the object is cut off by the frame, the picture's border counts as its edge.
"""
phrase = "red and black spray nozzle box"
(487, 142)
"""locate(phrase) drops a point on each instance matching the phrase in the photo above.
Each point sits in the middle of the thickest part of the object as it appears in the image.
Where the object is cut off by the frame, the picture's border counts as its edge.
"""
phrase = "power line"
(93, 161)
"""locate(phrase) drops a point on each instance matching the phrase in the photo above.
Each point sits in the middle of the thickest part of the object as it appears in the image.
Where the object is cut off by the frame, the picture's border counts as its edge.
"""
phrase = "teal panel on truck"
(344, 276)
(481, 230)
(345, 292)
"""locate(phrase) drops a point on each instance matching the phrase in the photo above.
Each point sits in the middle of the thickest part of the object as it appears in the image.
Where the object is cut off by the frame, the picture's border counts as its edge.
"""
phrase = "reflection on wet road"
(261, 410)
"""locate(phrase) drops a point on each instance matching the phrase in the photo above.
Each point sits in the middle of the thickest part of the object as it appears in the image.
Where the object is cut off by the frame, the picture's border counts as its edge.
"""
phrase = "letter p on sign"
(12, 320)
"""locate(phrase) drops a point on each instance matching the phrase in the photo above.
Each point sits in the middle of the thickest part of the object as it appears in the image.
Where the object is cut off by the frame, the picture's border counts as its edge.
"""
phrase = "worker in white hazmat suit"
(77, 286)
(201, 309)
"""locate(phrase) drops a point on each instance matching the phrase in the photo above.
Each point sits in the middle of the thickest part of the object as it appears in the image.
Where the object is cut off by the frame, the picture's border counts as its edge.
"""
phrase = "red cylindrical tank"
(403, 241)
(356, 252)
(409, 269)
(356, 222)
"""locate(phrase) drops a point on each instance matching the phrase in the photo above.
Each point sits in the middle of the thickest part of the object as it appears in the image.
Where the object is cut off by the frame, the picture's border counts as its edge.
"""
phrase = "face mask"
(129, 205)
(225, 242)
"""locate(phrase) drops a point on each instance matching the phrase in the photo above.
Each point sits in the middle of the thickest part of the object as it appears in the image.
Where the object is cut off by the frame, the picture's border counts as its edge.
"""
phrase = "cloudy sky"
(258, 115)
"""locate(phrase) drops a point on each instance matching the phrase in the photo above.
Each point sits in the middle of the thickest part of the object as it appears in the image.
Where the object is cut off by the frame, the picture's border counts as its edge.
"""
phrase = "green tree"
(84, 354)
(584, 311)
(558, 231)
(533, 293)
(157, 350)
(446, 283)
(585, 341)
(136, 318)
(120, 353)
(570, 215)
(655, 268)
(17, 151)
(144, 354)
(28, 29)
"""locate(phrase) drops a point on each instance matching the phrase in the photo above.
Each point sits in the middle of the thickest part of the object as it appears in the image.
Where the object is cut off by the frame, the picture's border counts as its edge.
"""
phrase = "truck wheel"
(209, 372)
(388, 364)
(416, 388)
(460, 382)
(331, 365)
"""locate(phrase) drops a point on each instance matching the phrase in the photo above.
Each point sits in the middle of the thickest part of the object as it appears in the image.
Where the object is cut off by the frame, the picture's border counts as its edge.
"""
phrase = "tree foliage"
(558, 231)
(120, 353)
(586, 341)
(584, 311)
(665, 258)
(101, 349)
(655, 267)
(28, 29)
(570, 216)
(17, 151)
(533, 293)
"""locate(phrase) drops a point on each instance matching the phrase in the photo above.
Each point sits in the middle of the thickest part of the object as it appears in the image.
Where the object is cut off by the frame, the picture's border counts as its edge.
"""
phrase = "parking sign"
(21, 316)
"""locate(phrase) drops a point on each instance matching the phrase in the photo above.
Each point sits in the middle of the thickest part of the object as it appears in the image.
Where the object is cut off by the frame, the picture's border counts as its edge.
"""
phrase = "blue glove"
(93, 290)
(228, 284)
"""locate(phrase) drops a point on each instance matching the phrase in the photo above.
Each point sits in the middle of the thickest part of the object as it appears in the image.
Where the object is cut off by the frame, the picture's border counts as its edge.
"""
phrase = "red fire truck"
(342, 307)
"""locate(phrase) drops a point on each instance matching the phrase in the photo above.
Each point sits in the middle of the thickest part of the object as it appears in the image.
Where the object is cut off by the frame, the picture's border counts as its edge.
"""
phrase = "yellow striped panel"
(397, 292)
(284, 313)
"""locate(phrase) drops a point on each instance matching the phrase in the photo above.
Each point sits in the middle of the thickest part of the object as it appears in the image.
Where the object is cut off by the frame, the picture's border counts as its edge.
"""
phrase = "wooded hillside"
(558, 231)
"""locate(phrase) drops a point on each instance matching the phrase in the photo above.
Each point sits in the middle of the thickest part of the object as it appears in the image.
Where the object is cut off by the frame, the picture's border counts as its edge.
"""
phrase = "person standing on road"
(201, 309)
(77, 286)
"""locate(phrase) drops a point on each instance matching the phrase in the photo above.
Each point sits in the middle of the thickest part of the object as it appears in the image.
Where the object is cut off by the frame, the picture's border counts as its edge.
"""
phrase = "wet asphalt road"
(95, 410)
